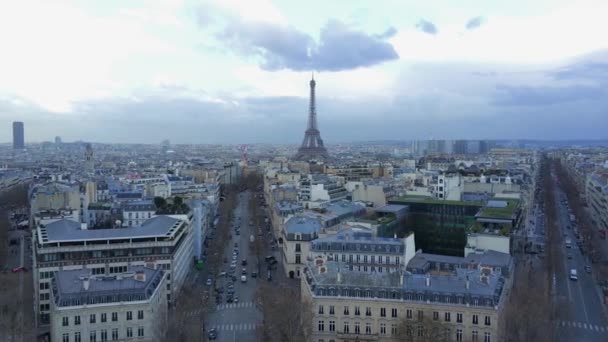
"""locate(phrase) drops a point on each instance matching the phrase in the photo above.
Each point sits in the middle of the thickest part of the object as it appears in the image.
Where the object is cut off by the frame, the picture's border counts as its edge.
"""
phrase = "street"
(581, 315)
(238, 321)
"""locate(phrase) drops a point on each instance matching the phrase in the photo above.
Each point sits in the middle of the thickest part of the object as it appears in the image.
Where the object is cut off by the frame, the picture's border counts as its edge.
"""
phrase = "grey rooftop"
(67, 230)
(70, 287)
(302, 225)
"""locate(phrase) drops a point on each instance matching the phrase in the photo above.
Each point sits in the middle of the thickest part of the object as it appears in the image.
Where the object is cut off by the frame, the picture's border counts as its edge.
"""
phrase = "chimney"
(83, 226)
(85, 283)
(140, 276)
(467, 284)
(428, 280)
(401, 280)
(339, 277)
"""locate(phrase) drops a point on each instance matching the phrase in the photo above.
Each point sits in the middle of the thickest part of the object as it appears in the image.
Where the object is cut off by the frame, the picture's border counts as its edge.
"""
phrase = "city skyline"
(207, 72)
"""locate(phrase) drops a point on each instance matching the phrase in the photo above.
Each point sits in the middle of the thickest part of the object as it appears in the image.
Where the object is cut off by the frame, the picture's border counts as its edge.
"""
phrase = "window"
(435, 316)
(397, 260)
(475, 319)
(357, 311)
(487, 320)
(140, 331)
(357, 327)
(346, 329)
(447, 317)
(382, 312)
(408, 313)
(129, 332)
(420, 315)
(140, 314)
(379, 259)
(346, 310)
(298, 259)
(458, 318)
(129, 315)
(486, 337)
(76, 320)
(458, 335)
(92, 318)
(332, 326)
(64, 322)
(368, 311)
(93, 336)
(474, 336)
(420, 331)
(115, 334)
(320, 309)
(104, 335)
(393, 329)
(66, 337)
(393, 312)
(321, 325)
(382, 328)
(368, 328)
(298, 248)
(104, 317)
(77, 337)
(332, 310)
(114, 316)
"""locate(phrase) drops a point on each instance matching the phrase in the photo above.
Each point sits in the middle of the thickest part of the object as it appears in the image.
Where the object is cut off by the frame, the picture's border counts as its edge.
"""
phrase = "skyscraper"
(312, 145)
(18, 136)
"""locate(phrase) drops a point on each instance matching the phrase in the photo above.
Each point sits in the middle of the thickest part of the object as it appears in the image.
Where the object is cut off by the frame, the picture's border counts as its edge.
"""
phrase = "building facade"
(120, 307)
(18, 135)
(346, 305)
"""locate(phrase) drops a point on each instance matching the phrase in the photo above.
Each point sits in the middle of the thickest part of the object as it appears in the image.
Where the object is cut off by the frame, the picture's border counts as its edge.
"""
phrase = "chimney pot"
(85, 284)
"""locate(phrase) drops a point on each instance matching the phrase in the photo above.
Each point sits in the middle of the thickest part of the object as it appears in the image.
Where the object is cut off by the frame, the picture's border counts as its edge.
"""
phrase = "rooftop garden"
(505, 213)
(429, 200)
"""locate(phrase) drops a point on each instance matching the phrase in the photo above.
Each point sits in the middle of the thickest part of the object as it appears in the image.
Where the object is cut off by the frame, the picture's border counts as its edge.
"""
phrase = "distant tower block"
(312, 146)
(88, 156)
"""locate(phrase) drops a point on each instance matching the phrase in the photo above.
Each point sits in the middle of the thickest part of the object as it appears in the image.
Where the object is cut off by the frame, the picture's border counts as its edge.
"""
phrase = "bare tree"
(422, 330)
(287, 318)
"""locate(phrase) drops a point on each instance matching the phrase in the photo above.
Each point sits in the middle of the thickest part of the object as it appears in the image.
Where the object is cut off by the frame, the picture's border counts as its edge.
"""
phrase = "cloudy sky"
(237, 71)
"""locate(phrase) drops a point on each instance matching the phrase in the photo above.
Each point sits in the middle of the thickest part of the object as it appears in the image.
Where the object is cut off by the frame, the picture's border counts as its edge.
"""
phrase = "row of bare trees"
(183, 326)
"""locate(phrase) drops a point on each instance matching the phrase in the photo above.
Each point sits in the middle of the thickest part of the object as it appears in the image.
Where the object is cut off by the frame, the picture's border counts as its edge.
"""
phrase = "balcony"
(358, 337)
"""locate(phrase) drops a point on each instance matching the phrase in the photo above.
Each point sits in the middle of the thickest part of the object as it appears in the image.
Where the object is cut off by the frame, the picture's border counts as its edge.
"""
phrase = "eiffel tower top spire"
(312, 145)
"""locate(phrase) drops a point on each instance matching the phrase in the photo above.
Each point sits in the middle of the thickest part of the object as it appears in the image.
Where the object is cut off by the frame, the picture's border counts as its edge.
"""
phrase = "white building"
(137, 212)
(449, 187)
(119, 307)
(59, 244)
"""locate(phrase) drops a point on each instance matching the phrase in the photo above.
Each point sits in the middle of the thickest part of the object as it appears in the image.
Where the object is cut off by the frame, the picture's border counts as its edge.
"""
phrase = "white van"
(573, 275)
(243, 279)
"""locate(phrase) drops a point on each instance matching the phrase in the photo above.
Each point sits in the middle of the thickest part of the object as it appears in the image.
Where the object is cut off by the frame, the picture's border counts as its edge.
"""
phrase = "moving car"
(243, 279)
(573, 275)
(212, 334)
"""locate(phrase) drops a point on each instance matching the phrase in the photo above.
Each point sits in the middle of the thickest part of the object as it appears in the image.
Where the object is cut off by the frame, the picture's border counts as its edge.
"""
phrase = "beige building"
(119, 307)
(349, 305)
(54, 196)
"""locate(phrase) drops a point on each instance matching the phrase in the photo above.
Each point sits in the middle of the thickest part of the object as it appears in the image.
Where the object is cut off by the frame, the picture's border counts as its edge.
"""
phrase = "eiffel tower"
(312, 146)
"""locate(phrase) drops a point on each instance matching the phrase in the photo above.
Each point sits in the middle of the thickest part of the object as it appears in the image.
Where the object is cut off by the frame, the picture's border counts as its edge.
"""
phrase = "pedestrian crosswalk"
(582, 325)
(236, 327)
(239, 305)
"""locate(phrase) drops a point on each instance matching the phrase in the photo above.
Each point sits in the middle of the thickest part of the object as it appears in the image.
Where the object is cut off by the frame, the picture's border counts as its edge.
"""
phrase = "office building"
(18, 135)
(60, 244)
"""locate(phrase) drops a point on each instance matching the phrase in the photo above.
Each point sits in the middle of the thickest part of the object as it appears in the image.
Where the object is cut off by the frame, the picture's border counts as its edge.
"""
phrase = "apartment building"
(61, 243)
(597, 199)
(351, 305)
(357, 248)
(120, 307)
(137, 212)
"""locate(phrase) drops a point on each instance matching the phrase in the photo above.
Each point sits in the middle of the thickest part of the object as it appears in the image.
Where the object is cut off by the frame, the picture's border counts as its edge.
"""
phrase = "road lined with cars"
(580, 313)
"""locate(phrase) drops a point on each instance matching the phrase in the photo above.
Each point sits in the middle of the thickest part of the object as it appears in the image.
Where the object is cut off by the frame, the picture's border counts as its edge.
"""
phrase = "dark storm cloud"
(474, 23)
(427, 27)
(339, 47)
(509, 95)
